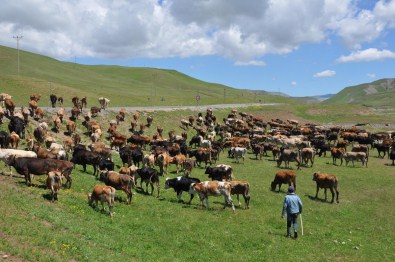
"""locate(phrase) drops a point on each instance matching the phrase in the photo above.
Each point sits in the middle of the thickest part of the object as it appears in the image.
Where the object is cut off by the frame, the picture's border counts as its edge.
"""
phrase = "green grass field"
(160, 229)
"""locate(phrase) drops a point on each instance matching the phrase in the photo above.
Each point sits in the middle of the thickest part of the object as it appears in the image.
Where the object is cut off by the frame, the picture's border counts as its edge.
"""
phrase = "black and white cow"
(180, 184)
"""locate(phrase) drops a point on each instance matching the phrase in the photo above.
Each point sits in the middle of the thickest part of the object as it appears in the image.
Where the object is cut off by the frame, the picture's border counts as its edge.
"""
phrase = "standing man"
(293, 206)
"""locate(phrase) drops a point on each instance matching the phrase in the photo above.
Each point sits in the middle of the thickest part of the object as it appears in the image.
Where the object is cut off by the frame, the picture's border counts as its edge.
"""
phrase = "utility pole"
(18, 37)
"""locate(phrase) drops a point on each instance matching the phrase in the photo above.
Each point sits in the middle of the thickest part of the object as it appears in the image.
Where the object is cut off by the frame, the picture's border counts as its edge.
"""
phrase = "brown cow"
(57, 122)
(102, 192)
(179, 160)
(35, 97)
(326, 181)
(14, 140)
(337, 153)
(243, 188)
(70, 126)
(9, 106)
(284, 177)
(119, 181)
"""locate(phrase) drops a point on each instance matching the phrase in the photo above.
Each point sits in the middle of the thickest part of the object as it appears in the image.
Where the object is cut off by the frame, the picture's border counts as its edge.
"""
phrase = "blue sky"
(298, 47)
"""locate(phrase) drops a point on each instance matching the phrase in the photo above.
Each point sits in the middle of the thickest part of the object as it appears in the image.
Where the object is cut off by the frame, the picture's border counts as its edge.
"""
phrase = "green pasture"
(359, 228)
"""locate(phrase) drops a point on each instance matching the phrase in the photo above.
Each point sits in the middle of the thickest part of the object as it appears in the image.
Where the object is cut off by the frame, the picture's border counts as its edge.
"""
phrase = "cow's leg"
(316, 193)
(238, 199)
(158, 187)
(325, 193)
(231, 202)
(337, 195)
(333, 194)
(84, 166)
(179, 195)
(190, 200)
(207, 202)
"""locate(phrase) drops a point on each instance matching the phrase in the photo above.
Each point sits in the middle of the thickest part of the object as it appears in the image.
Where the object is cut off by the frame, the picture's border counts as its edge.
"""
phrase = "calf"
(54, 182)
(243, 188)
(179, 160)
(119, 181)
(189, 164)
(149, 176)
(14, 140)
(180, 184)
(326, 181)
(356, 156)
(284, 177)
(213, 188)
(102, 192)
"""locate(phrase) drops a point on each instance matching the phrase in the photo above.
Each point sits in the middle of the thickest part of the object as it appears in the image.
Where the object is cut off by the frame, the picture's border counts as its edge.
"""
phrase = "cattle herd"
(148, 158)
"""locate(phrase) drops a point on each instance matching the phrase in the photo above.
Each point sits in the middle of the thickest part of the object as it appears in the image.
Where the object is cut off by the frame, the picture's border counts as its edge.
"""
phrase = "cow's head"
(315, 176)
(273, 186)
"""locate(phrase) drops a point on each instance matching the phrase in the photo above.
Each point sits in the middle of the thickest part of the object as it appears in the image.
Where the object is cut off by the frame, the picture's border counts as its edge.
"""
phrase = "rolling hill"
(124, 86)
(380, 93)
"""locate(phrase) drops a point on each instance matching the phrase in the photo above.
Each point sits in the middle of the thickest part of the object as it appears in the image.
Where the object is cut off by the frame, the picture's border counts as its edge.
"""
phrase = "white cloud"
(293, 83)
(371, 75)
(233, 29)
(371, 54)
(251, 63)
(325, 73)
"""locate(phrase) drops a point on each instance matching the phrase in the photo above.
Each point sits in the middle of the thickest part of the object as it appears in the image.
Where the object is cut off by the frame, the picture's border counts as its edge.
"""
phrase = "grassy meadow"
(359, 228)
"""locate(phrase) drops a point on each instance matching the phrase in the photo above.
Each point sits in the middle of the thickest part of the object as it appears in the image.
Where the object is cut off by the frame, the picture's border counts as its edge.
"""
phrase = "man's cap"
(291, 189)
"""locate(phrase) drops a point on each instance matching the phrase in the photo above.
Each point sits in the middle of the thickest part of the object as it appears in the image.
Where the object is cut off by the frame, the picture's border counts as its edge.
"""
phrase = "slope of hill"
(124, 86)
(380, 93)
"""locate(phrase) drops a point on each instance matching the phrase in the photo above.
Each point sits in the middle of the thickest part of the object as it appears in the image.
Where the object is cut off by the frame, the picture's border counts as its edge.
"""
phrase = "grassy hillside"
(124, 86)
(376, 94)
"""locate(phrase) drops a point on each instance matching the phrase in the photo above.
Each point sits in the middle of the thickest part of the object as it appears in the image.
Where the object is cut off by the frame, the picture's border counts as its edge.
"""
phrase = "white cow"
(213, 188)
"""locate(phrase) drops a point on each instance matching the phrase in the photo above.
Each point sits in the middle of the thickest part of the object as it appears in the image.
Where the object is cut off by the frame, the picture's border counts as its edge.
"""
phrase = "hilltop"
(124, 86)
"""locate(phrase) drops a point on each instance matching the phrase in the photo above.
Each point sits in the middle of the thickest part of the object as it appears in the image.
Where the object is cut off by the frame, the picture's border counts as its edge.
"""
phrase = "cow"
(119, 182)
(9, 106)
(189, 164)
(382, 148)
(356, 156)
(284, 177)
(53, 183)
(57, 124)
(4, 139)
(238, 152)
(37, 166)
(326, 181)
(84, 157)
(95, 110)
(17, 125)
(149, 160)
(106, 165)
(149, 176)
(35, 97)
(14, 140)
(84, 102)
(220, 173)
(60, 101)
(243, 188)
(53, 99)
(70, 126)
(337, 153)
(307, 154)
(163, 161)
(180, 184)
(179, 160)
(40, 132)
(43, 153)
(203, 155)
(287, 156)
(60, 114)
(213, 188)
(104, 102)
(102, 192)
(361, 148)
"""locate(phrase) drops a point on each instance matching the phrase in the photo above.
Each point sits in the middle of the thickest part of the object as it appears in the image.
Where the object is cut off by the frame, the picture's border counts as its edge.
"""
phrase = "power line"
(18, 37)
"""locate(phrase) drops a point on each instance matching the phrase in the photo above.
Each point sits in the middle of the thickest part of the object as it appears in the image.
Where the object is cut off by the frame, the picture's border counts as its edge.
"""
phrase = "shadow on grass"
(318, 199)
